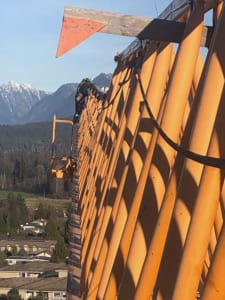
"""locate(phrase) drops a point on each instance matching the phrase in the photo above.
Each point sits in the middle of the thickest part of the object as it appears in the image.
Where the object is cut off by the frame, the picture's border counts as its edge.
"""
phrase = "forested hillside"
(25, 152)
(33, 137)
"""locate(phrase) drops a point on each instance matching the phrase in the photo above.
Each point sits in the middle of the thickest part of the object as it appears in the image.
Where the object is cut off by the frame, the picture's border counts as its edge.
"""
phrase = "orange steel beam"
(97, 151)
(193, 267)
(153, 258)
(132, 171)
(145, 208)
(131, 115)
(203, 215)
(192, 169)
(177, 96)
(96, 143)
(155, 87)
(102, 154)
(107, 130)
(120, 131)
(214, 286)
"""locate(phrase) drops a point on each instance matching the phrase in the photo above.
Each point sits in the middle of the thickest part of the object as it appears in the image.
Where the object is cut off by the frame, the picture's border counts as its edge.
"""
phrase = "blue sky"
(30, 32)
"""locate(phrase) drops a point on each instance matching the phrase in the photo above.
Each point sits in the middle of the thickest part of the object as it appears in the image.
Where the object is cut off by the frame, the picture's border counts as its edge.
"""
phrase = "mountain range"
(21, 103)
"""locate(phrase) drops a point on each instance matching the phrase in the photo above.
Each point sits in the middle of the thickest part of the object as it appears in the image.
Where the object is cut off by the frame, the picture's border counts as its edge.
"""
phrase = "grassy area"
(4, 194)
(33, 201)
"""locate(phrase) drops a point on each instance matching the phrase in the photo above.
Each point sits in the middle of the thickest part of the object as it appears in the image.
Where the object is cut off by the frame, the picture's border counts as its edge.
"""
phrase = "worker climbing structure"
(148, 203)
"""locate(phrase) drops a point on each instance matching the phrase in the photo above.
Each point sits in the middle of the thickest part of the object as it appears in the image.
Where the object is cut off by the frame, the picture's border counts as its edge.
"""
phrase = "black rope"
(203, 159)
(120, 84)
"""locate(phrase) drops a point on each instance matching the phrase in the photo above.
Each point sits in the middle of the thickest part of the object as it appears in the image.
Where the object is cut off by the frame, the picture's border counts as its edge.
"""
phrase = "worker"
(84, 89)
(81, 96)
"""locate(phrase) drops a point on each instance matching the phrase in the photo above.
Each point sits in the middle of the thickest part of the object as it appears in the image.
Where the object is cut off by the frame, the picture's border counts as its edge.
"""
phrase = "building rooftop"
(40, 284)
(44, 243)
(34, 266)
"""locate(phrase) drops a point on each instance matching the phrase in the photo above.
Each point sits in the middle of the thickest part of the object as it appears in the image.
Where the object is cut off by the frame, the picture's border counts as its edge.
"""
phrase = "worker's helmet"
(86, 79)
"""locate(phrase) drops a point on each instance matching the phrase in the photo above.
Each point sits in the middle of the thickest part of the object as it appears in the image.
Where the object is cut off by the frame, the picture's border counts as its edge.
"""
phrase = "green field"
(33, 201)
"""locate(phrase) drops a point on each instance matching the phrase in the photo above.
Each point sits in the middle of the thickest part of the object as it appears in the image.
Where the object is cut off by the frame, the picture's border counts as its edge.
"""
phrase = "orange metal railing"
(61, 166)
(150, 171)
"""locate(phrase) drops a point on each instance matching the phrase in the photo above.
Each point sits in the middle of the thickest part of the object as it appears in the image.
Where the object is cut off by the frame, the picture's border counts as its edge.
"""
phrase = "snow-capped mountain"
(103, 80)
(21, 103)
(16, 100)
(60, 103)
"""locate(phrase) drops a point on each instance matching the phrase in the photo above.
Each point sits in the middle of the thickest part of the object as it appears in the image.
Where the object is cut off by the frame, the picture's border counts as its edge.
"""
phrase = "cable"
(120, 84)
(203, 159)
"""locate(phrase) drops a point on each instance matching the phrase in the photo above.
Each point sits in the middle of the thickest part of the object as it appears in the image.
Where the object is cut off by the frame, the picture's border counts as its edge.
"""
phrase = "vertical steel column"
(85, 271)
(178, 92)
(87, 167)
(101, 133)
(99, 155)
(214, 286)
(150, 269)
(197, 239)
(149, 273)
(156, 87)
(108, 174)
(103, 173)
(211, 95)
(130, 120)
(130, 174)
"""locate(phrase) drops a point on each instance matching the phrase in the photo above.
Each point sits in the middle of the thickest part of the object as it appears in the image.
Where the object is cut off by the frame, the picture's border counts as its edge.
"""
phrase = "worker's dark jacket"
(83, 91)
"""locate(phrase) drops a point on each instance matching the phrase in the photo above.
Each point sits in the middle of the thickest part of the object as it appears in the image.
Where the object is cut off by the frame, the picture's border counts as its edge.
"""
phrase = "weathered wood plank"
(120, 24)
(79, 21)
(141, 27)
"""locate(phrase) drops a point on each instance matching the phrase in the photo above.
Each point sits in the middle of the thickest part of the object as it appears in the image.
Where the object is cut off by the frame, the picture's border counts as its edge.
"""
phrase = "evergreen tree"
(60, 252)
(22, 252)
(23, 211)
(3, 224)
(17, 211)
(13, 252)
(2, 257)
(66, 234)
(12, 218)
(40, 213)
(51, 229)
(13, 294)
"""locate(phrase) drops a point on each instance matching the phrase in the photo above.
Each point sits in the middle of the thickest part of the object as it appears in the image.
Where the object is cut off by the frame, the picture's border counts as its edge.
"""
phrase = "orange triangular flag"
(74, 31)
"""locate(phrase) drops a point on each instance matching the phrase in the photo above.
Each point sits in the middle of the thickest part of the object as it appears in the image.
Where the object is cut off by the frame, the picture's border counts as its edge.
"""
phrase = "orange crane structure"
(148, 204)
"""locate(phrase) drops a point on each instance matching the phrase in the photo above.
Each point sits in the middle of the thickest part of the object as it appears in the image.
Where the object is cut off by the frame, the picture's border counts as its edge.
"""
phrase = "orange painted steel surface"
(64, 165)
(149, 182)
(75, 31)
